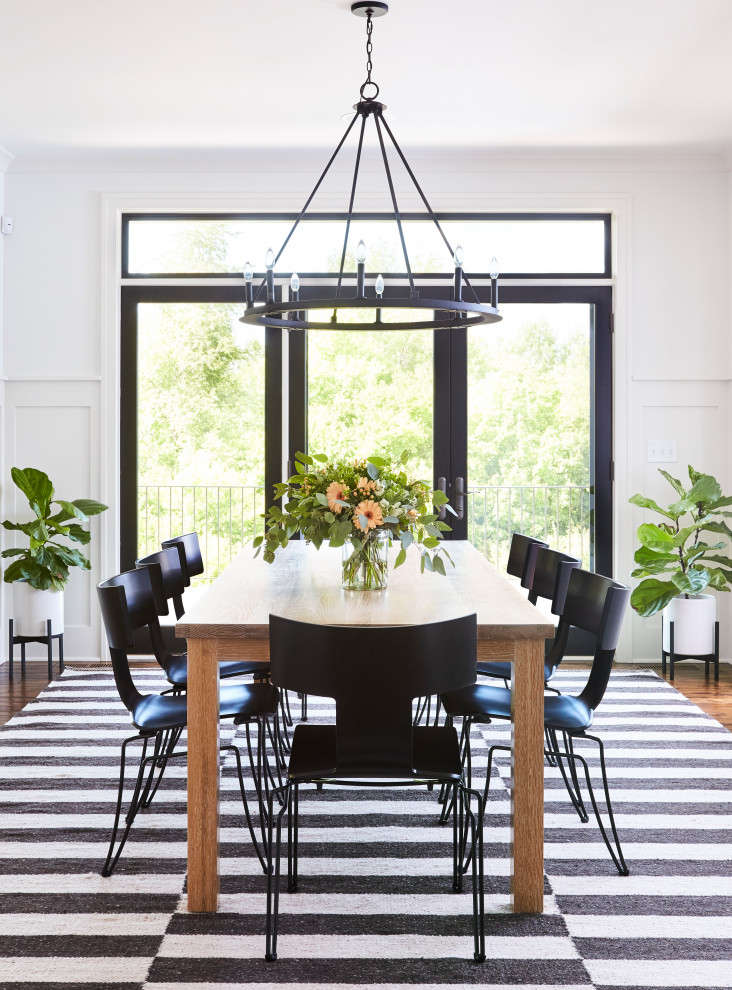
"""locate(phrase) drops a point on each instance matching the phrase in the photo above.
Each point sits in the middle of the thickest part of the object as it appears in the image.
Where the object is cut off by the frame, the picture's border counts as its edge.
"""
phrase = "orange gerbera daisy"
(372, 512)
(335, 490)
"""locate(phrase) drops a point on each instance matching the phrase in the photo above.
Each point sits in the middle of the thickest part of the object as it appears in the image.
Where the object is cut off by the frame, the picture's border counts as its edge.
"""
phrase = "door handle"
(459, 500)
(442, 485)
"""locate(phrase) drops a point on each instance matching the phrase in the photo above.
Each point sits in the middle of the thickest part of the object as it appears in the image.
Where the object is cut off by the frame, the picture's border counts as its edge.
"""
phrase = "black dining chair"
(548, 579)
(188, 548)
(521, 564)
(127, 603)
(168, 583)
(597, 605)
(374, 673)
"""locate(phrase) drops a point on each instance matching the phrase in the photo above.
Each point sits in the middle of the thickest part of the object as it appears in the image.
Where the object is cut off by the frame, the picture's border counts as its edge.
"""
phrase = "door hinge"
(612, 323)
(612, 471)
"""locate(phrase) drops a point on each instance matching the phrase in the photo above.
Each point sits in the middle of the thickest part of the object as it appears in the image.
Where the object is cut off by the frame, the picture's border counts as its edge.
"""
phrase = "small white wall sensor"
(6, 225)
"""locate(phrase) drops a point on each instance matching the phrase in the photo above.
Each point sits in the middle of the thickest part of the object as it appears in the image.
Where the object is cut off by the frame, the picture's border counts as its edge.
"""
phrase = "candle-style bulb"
(269, 260)
(379, 286)
(458, 256)
(295, 282)
(361, 253)
(248, 273)
(494, 273)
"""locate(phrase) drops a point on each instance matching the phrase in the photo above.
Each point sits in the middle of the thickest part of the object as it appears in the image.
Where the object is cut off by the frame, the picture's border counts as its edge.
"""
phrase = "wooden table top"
(305, 584)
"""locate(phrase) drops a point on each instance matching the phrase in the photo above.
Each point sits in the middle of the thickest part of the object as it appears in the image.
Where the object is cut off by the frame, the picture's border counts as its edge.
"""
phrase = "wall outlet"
(661, 452)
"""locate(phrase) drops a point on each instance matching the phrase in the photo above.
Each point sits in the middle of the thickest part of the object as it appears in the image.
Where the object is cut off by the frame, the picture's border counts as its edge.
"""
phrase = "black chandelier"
(440, 314)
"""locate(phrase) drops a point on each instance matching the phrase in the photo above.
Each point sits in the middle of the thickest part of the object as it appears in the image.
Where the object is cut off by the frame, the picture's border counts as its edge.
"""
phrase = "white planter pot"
(32, 609)
(693, 620)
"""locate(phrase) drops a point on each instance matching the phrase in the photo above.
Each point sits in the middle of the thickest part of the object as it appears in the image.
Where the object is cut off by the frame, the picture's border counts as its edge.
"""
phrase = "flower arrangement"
(357, 504)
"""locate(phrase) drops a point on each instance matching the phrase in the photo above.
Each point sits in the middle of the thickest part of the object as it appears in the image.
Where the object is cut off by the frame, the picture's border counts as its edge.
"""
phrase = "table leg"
(527, 776)
(203, 775)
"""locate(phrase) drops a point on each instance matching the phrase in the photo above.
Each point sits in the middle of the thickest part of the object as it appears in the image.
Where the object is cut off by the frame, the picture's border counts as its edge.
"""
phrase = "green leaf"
(644, 556)
(654, 538)
(257, 541)
(672, 481)
(705, 489)
(438, 497)
(78, 534)
(320, 458)
(431, 542)
(720, 502)
(13, 552)
(400, 557)
(391, 519)
(652, 595)
(329, 517)
(303, 458)
(648, 503)
(693, 582)
(378, 462)
(89, 506)
(439, 565)
(719, 579)
(404, 457)
(428, 561)
(716, 527)
(406, 538)
(300, 468)
(35, 485)
(71, 511)
(319, 497)
(372, 471)
(694, 475)
(364, 522)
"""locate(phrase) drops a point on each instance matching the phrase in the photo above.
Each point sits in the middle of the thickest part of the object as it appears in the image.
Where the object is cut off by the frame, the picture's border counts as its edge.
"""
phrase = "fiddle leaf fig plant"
(676, 556)
(45, 562)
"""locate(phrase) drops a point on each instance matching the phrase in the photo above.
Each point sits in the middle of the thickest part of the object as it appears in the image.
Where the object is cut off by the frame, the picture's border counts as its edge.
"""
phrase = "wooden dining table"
(231, 621)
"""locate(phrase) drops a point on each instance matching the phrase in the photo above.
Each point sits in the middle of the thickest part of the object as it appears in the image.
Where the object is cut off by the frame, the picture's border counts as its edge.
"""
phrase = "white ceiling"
(88, 76)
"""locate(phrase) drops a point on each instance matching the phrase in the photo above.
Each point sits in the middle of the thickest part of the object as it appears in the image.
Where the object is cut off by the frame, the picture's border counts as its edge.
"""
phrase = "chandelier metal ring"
(456, 313)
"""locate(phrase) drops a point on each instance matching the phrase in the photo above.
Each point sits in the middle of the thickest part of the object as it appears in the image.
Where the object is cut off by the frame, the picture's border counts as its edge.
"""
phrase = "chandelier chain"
(369, 64)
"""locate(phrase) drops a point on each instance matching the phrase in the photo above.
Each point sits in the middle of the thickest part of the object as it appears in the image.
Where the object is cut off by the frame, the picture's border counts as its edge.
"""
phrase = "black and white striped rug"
(375, 906)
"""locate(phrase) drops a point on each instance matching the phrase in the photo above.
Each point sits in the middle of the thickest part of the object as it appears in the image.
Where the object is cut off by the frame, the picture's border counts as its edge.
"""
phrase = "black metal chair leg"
(273, 875)
(476, 842)
(615, 854)
(111, 860)
(550, 758)
(11, 649)
(571, 785)
(161, 743)
(61, 653)
(250, 826)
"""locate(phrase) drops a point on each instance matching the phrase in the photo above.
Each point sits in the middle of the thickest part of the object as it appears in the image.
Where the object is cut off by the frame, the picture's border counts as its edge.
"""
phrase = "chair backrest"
(551, 573)
(166, 575)
(550, 579)
(521, 557)
(596, 604)
(189, 549)
(373, 673)
(127, 603)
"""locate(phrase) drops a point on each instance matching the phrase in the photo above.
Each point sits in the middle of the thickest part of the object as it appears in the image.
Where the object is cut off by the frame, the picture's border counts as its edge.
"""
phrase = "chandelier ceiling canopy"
(409, 310)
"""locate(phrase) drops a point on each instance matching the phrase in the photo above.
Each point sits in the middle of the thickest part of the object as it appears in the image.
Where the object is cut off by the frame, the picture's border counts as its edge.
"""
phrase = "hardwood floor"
(716, 699)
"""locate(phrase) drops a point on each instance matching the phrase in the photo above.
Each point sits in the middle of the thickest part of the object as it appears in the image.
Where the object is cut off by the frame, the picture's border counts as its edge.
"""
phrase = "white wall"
(672, 354)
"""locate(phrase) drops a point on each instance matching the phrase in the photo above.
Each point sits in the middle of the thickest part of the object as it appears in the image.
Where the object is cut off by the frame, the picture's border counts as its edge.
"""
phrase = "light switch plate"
(661, 452)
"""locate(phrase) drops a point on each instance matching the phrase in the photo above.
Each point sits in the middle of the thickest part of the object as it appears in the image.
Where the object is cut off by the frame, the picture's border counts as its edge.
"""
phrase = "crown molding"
(432, 159)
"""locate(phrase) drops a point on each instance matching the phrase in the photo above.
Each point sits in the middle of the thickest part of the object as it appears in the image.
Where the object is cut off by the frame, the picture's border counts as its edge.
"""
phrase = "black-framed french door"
(284, 379)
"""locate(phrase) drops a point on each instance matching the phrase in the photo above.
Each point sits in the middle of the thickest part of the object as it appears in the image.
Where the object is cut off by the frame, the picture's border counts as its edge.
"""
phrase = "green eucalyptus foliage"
(45, 563)
(676, 556)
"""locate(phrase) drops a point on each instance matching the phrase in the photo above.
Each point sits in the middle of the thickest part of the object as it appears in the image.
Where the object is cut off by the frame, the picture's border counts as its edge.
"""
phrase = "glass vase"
(365, 567)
